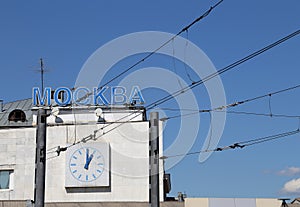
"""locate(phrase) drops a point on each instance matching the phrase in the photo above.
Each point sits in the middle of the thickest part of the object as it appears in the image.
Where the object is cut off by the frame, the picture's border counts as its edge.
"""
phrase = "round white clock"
(86, 164)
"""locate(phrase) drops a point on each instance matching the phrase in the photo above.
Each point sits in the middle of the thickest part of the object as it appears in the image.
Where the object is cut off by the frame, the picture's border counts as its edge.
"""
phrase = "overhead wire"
(234, 104)
(205, 14)
(261, 114)
(240, 145)
(210, 130)
(223, 70)
(231, 66)
(174, 65)
(270, 106)
(184, 57)
(209, 77)
(232, 112)
(268, 138)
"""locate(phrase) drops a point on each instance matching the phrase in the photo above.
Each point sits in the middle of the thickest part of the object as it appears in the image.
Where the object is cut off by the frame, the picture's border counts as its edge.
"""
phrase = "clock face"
(86, 164)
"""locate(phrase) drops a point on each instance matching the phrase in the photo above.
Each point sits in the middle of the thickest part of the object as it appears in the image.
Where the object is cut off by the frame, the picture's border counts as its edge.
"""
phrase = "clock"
(87, 165)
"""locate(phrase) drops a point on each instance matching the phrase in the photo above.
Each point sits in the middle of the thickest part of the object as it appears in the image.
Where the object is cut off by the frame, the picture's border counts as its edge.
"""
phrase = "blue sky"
(66, 33)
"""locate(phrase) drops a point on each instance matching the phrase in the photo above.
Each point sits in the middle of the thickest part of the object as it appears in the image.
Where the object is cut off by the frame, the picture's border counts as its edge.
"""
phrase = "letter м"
(40, 101)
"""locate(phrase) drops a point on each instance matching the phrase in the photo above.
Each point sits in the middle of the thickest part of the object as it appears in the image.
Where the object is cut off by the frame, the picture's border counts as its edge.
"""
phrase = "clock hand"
(86, 166)
(88, 159)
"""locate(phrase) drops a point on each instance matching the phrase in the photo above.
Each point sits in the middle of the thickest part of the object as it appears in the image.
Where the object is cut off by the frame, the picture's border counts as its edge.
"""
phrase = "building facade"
(94, 154)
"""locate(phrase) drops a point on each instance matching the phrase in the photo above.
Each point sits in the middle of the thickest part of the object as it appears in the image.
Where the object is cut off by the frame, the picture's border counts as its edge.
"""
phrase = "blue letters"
(64, 96)
(118, 95)
(100, 95)
(136, 96)
(68, 96)
(40, 101)
(78, 100)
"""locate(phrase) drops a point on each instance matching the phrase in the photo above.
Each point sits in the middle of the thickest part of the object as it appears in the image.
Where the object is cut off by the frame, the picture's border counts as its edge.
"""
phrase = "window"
(17, 115)
(5, 179)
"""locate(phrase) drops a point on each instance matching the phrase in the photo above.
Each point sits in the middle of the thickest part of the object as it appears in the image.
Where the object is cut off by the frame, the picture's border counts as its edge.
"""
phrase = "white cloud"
(290, 171)
(292, 186)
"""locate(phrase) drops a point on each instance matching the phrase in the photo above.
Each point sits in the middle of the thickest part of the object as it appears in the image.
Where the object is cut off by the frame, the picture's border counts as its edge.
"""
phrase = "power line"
(164, 44)
(268, 138)
(232, 112)
(219, 109)
(229, 67)
(261, 114)
(240, 145)
(223, 70)
(195, 84)
(273, 93)
(186, 28)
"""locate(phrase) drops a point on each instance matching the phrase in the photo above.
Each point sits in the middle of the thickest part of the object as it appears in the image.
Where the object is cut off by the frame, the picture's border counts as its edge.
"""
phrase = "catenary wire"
(193, 85)
(205, 14)
(261, 114)
(219, 109)
(223, 70)
(232, 112)
(238, 144)
(229, 67)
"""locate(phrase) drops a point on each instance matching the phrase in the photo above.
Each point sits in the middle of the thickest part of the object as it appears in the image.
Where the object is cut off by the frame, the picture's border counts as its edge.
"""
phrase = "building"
(295, 203)
(94, 154)
(113, 140)
(232, 202)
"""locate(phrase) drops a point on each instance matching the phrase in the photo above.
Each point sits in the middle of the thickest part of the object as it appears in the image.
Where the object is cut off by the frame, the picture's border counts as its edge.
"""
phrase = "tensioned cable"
(217, 109)
(238, 144)
(184, 57)
(194, 111)
(223, 70)
(233, 112)
(261, 114)
(205, 14)
(191, 86)
(246, 100)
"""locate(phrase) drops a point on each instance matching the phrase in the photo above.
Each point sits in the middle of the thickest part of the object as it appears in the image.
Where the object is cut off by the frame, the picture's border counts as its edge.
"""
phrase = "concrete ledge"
(12, 203)
(114, 204)
(103, 204)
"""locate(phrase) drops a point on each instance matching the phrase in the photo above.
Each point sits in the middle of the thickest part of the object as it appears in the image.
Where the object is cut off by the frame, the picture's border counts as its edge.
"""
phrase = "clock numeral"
(73, 164)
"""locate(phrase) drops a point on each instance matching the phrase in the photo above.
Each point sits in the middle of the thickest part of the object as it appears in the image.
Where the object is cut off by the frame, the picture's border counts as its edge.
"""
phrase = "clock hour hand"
(88, 159)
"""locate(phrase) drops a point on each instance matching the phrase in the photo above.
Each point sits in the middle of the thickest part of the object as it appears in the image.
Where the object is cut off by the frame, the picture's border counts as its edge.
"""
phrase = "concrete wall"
(18, 154)
(129, 163)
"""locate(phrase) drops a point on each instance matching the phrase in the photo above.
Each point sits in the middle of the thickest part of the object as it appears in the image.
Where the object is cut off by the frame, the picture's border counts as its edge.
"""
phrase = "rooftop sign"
(63, 96)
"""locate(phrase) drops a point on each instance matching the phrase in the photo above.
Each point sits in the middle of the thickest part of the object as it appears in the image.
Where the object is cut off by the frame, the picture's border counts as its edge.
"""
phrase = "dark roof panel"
(24, 105)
